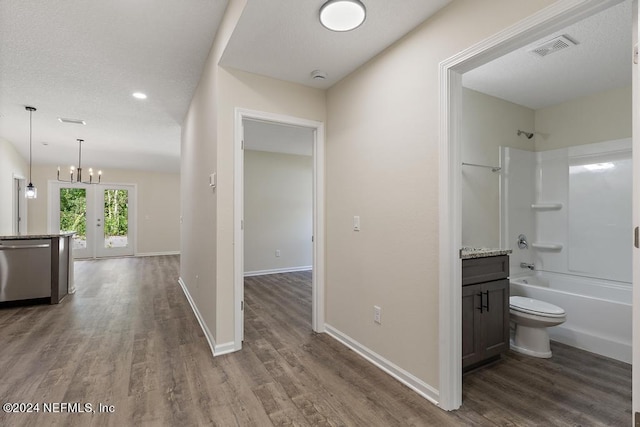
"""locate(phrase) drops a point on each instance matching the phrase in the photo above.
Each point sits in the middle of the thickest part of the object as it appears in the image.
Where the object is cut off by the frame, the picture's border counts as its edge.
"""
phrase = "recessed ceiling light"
(72, 121)
(342, 15)
(139, 95)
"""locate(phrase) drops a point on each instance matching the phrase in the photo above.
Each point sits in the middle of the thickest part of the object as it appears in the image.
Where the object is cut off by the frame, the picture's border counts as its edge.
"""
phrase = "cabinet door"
(495, 318)
(471, 330)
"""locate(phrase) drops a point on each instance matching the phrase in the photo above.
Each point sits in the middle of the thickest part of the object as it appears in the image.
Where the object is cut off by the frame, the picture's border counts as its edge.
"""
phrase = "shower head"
(529, 135)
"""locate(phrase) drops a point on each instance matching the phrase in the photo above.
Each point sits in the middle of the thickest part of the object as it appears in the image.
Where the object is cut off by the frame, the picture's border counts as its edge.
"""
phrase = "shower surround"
(574, 206)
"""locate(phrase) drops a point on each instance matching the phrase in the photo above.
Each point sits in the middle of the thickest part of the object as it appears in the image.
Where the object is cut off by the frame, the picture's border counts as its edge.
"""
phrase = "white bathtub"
(598, 311)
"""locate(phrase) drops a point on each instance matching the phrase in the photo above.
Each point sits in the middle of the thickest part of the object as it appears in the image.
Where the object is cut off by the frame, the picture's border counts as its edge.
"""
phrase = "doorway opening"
(534, 28)
(274, 233)
(102, 216)
(19, 223)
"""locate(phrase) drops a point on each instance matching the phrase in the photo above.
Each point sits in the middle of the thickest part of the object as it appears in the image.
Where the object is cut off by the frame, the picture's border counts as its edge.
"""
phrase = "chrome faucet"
(525, 265)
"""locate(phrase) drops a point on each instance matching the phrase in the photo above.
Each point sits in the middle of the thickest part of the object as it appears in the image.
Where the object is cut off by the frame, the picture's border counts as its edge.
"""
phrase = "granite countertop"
(37, 236)
(468, 253)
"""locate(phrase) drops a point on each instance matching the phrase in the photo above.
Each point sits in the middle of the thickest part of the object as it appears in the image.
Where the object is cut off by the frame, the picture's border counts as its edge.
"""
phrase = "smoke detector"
(318, 75)
(552, 46)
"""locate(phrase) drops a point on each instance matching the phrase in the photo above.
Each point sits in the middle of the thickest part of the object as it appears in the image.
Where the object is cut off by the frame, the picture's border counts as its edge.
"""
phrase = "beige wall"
(278, 211)
(158, 208)
(487, 123)
(207, 146)
(382, 164)
(11, 164)
(603, 116)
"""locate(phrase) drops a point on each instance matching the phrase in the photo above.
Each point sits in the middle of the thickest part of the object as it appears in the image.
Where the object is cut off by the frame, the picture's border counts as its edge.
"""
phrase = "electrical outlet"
(277, 253)
(377, 314)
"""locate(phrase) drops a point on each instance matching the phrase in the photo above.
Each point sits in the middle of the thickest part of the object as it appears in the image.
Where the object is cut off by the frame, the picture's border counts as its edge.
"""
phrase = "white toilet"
(532, 318)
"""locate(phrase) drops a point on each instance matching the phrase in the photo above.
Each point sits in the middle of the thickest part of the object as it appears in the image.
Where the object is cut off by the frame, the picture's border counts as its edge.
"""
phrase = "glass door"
(113, 225)
(100, 214)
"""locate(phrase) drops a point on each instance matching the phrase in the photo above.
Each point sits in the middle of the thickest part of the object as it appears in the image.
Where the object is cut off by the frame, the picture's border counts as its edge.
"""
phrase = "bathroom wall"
(603, 116)
(488, 123)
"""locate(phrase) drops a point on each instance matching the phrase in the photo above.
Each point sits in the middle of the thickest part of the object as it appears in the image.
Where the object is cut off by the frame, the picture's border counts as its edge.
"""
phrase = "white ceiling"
(285, 40)
(600, 61)
(277, 138)
(83, 59)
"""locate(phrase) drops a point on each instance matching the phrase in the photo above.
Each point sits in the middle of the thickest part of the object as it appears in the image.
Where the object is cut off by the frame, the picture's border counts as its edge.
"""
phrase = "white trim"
(277, 271)
(145, 254)
(423, 389)
(317, 316)
(552, 18)
(216, 350)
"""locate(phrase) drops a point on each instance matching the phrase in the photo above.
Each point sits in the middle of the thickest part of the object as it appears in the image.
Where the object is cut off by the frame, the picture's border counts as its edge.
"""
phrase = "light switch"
(356, 223)
(212, 180)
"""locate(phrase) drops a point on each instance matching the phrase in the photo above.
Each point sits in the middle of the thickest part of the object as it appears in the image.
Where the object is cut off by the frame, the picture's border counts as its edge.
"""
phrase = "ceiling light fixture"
(139, 95)
(32, 191)
(318, 75)
(72, 170)
(342, 15)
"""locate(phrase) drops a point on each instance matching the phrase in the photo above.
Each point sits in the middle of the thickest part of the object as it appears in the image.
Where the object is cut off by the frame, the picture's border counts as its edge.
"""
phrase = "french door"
(102, 215)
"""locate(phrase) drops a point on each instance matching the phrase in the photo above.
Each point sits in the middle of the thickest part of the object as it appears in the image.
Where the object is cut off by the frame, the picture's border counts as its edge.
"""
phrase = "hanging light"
(78, 171)
(31, 191)
(342, 15)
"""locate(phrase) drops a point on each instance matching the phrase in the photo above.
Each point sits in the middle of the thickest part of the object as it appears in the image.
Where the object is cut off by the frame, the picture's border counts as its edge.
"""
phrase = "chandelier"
(31, 191)
(78, 171)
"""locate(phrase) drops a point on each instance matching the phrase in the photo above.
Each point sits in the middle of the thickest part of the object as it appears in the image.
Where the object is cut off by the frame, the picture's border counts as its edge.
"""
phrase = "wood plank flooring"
(128, 338)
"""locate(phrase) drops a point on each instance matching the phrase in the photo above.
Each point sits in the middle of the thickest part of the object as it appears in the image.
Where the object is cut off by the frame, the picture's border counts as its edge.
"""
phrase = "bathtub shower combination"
(573, 207)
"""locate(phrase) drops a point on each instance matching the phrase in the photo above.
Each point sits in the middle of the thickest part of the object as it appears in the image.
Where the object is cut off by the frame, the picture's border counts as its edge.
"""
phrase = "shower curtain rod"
(493, 168)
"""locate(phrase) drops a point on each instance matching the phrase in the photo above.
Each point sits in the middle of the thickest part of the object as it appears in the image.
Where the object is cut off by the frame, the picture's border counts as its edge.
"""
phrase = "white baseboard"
(216, 350)
(603, 346)
(406, 378)
(278, 271)
(141, 254)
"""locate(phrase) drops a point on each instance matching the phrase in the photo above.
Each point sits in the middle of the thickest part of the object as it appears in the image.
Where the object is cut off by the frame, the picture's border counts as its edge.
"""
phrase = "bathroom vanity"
(35, 268)
(485, 305)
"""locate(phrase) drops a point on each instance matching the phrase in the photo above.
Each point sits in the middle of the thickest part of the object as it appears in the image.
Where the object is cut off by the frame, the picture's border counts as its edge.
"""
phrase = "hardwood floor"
(128, 338)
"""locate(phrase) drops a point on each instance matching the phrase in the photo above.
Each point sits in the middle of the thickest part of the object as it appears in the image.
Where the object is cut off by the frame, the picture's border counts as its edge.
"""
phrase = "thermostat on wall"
(212, 180)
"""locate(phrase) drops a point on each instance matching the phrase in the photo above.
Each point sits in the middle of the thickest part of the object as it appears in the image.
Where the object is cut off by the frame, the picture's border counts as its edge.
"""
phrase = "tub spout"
(525, 265)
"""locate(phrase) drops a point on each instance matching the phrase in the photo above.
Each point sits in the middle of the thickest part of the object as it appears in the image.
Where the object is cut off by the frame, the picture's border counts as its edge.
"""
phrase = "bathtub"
(598, 311)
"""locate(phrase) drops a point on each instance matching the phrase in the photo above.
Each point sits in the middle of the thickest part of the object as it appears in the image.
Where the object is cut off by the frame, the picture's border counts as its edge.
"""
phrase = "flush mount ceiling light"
(139, 95)
(342, 15)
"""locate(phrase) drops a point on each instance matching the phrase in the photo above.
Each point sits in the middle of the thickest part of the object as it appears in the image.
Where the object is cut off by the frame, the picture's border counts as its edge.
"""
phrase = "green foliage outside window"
(73, 211)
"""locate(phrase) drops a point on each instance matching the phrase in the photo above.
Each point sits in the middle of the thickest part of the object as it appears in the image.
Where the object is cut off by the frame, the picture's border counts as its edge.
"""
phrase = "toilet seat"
(535, 307)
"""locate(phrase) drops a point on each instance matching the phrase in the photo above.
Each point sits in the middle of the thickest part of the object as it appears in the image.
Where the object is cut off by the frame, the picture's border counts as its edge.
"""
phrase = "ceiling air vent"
(72, 121)
(552, 46)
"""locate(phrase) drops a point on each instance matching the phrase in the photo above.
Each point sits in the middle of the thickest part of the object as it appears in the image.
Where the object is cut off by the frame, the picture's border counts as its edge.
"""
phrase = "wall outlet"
(277, 253)
(377, 314)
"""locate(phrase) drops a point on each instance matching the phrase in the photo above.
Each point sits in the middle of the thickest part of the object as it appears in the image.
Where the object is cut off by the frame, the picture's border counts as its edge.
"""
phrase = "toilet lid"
(534, 306)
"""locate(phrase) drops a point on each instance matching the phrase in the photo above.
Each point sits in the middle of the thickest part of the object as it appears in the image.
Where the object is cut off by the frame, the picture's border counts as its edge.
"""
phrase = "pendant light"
(31, 191)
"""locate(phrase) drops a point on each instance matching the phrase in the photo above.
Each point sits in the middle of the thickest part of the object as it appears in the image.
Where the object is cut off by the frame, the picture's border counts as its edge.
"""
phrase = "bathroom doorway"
(540, 27)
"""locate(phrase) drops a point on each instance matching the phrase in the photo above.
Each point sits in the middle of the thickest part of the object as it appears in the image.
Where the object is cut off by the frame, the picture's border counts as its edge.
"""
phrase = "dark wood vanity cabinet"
(485, 309)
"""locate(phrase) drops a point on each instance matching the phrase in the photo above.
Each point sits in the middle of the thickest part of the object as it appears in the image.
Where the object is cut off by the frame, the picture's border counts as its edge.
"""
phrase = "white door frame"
(19, 226)
(317, 317)
(552, 18)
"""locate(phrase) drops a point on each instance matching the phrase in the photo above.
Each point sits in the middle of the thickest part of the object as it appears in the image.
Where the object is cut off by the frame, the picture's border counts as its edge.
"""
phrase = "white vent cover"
(552, 46)
(73, 121)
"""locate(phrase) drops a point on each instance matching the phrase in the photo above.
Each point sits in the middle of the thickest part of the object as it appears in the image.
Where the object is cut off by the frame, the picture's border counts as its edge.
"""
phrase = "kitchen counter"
(37, 236)
(35, 268)
(469, 253)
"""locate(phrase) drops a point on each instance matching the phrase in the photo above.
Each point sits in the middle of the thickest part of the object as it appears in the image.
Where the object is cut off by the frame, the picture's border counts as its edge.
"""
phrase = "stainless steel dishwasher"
(25, 269)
